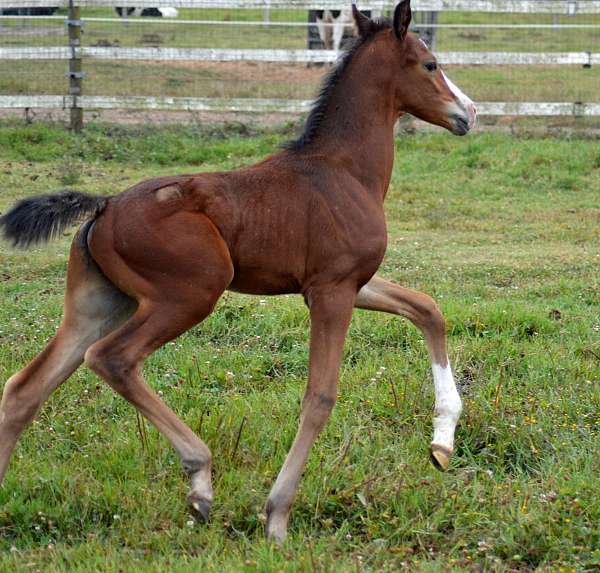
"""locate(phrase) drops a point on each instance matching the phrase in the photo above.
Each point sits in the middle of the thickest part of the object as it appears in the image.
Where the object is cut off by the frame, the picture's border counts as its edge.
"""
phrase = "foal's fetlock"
(276, 528)
(277, 521)
(201, 496)
(194, 466)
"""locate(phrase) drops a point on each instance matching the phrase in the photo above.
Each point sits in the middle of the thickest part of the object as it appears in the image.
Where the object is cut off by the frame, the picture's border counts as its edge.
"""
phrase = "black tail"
(39, 219)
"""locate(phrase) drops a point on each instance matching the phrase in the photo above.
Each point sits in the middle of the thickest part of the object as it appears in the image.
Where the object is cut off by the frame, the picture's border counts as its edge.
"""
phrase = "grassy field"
(197, 79)
(501, 230)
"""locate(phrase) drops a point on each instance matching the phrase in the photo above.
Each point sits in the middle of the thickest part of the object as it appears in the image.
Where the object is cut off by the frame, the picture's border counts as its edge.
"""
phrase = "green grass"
(501, 230)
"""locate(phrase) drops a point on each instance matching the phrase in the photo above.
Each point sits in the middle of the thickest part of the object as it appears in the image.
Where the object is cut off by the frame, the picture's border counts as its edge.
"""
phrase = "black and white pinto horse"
(162, 12)
(332, 25)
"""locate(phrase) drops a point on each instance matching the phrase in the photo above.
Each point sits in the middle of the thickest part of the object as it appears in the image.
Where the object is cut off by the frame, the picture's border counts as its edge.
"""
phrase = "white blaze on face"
(465, 100)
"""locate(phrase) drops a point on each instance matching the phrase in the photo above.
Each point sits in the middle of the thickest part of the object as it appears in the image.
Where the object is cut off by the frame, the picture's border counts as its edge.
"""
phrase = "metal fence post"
(74, 25)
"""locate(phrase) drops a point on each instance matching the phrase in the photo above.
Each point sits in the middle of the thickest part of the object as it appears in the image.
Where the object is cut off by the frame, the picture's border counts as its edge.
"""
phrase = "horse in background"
(332, 25)
(159, 12)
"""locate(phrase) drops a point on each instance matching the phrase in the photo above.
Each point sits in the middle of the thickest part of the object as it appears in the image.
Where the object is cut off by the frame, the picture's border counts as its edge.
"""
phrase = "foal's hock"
(152, 262)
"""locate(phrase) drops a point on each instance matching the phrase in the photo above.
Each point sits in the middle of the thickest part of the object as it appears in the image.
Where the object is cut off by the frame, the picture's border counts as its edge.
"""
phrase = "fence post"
(75, 73)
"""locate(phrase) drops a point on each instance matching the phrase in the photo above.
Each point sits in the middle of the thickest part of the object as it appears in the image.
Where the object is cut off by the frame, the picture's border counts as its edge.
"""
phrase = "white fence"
(251, 105)
(287, 56)
(81, 53)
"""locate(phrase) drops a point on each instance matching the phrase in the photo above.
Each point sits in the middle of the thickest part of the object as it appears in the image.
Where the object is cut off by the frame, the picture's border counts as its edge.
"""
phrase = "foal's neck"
(357, 130)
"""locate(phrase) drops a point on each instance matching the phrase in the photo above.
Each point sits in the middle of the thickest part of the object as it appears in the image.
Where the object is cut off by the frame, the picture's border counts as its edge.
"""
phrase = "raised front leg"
(330, 314)
(420, 309)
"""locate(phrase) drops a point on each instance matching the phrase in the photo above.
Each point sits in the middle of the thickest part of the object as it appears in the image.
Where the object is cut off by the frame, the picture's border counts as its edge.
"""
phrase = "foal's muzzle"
(460, 124)
(462, 116)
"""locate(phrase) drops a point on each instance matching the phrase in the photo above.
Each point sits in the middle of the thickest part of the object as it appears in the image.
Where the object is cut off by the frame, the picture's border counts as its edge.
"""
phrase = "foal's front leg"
(382, 295)
(330, 314)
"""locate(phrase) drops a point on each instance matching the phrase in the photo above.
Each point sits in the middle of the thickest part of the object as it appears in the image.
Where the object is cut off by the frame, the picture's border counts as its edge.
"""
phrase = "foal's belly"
(255, 284)
(268, 279)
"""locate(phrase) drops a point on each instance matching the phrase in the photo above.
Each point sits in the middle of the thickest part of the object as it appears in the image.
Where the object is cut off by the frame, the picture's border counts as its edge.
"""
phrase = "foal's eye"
(430, 66)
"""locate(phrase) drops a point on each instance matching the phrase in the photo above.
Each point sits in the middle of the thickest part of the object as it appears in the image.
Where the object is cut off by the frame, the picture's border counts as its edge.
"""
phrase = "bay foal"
(152, 262)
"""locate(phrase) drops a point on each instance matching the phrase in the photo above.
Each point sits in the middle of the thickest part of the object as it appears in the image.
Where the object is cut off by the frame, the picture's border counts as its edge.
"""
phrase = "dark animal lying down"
(163, 12)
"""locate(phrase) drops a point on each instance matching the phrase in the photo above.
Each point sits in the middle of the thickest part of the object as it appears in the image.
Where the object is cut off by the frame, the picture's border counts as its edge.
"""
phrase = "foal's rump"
(153, 238)
(152, 234)
(40, 218)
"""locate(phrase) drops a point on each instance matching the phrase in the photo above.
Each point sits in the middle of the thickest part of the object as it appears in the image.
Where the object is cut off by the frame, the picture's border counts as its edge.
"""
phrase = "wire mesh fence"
(278, 51)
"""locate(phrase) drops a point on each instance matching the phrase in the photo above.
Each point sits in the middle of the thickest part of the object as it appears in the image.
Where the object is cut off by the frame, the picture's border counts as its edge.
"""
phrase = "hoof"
(200, 508)
(440, 456)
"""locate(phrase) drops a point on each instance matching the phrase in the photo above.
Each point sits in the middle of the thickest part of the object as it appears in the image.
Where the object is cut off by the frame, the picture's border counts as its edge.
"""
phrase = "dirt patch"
(158, 117)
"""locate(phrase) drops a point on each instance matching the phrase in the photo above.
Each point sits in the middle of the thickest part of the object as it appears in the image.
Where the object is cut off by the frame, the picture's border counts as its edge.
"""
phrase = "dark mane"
(331, 80)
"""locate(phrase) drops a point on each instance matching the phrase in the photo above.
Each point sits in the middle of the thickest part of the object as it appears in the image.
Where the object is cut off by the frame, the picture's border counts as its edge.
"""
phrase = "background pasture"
(461, 33)
(501, 230)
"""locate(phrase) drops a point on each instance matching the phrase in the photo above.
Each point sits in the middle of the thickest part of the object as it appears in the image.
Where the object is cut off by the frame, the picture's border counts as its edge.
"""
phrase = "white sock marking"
(448, 406)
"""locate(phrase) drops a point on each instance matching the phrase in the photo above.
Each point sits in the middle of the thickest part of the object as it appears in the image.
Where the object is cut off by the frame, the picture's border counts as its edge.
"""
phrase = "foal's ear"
(402, 17)
(363, 23)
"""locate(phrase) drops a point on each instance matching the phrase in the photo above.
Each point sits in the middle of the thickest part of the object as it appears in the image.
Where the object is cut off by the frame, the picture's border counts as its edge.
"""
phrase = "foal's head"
(419, 85)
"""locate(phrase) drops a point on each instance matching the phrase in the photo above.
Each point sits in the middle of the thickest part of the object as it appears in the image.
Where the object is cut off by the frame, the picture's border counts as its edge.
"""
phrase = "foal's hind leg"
(382, 295)
(118, 359)
(190, 268)
(93, 307)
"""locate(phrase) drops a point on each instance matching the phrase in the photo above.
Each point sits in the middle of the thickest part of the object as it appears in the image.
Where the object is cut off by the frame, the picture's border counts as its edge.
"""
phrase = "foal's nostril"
(461, 124)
